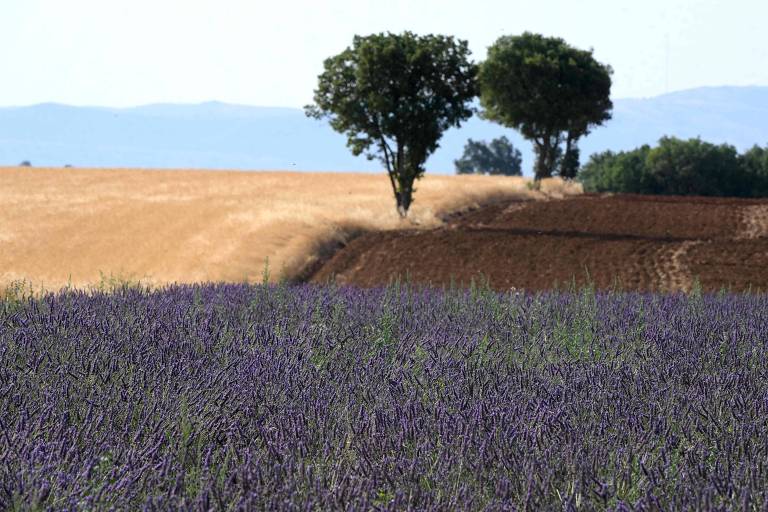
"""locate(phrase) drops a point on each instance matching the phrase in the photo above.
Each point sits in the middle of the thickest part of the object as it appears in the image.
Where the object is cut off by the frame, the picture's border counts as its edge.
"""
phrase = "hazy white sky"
(132, 52)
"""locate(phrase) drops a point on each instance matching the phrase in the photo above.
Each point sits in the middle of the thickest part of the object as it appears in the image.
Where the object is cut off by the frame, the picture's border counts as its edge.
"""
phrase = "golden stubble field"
(75, 227)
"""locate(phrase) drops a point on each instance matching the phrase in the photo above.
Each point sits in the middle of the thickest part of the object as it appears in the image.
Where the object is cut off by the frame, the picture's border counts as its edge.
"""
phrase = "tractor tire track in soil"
(644, 243)
(755, 220)
(672, 269)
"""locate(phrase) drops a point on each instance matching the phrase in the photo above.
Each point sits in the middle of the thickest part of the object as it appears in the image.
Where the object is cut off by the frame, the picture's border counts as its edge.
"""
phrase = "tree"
(549, 91)
(623, 172)
(695, 167)
(569, 163)
(394, 95)
(497, 158)
(677, 167)
(755, 164)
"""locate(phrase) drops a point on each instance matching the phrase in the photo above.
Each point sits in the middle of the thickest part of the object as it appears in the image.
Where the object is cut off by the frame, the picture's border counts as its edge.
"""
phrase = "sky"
(123, 53)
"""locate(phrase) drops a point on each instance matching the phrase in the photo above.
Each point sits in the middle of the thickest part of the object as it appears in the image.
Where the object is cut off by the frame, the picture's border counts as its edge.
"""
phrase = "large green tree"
(394, 95)
(550, 91)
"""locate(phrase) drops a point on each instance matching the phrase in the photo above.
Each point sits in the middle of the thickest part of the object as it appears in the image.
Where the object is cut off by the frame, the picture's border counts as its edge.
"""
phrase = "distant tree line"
(679, 167)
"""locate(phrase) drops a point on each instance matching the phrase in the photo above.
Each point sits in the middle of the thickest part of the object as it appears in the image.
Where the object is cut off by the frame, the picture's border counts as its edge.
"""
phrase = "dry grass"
(63, 227)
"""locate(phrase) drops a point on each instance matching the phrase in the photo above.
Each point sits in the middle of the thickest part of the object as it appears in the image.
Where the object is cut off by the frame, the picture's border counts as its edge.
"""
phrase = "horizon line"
(282, 107)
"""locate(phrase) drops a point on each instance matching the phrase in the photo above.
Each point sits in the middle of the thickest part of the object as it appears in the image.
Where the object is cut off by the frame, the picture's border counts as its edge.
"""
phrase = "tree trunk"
(552, 160)
(547, 152)
(402, 181)
(404, 195)
(569, 166)
(542, 159)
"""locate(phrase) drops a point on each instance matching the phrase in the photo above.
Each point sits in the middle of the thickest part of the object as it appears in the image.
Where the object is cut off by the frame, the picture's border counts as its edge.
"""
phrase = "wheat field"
(72, 227)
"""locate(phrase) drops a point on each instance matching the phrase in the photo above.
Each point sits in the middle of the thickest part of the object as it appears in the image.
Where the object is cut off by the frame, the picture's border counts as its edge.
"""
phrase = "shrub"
(679, 167)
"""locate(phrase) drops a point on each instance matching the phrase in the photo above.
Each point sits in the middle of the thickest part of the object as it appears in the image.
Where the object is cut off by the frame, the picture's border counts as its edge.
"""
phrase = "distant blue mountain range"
(222, 136)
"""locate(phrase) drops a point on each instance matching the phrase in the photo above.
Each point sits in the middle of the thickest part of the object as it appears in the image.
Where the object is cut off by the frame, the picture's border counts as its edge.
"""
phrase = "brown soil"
(648, 243)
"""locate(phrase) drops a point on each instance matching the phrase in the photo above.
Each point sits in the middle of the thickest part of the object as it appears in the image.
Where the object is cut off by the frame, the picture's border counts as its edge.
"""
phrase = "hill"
(222, 136)
(72, 226)
(646, 243)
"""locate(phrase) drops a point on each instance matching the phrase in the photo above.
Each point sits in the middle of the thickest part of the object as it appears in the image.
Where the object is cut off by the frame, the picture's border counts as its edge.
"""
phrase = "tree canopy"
(394, 95)
(499, 157)
(755, 164)
(679, 167)
(550, 91)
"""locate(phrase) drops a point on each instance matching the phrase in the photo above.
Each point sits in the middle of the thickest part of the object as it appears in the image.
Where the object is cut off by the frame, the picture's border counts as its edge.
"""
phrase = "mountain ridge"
(219, 135)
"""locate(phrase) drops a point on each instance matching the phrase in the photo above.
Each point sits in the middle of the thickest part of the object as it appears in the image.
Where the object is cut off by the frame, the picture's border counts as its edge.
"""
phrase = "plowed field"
(646, 243)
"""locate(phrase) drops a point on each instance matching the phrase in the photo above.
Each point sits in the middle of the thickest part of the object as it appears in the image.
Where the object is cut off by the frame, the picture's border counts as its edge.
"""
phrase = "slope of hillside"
(649, 243)
(62, 226)
(221, 136)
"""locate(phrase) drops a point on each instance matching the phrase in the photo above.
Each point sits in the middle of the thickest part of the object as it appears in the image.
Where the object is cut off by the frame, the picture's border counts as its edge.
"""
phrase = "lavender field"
(236, 397)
